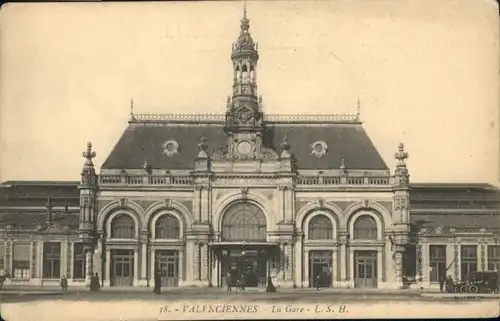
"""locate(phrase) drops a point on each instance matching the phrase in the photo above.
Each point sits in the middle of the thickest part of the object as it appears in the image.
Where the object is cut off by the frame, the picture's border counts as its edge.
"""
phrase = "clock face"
(244, 147)
(244, 115)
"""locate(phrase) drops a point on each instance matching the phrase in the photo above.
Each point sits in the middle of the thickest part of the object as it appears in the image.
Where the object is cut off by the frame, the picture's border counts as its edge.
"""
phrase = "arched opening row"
(320, 227)
(167, 226)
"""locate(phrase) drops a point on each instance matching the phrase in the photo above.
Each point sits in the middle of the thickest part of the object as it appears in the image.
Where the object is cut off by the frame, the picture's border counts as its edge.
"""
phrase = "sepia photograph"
(208, 160)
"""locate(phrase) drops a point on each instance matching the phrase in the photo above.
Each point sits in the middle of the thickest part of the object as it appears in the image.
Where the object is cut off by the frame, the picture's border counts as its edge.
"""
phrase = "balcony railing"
(173, 180)
(221, 118)
(338, 180)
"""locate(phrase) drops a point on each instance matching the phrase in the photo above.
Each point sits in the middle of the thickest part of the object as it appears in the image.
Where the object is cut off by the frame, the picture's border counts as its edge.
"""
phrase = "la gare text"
(318, 308)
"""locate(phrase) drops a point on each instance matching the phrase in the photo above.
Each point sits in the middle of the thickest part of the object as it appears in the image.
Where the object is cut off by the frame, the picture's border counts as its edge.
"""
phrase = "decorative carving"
(285, 148)
(220, 154)
(33, 259)
(401, 203)
(123, 203)
(69, 261)
(203, 147)
(319, 148)
(457, 254)
(342, 166)
(267, 153)
(147, 168)
(88, 175)
(320, 203)
(401, 173)
(483, 253)
(366, 203)
(170, 148)
(168, 203)
(419, 259)
(244, 191)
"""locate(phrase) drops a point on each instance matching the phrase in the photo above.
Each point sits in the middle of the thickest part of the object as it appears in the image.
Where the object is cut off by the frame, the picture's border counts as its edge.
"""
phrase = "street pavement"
(22, 294)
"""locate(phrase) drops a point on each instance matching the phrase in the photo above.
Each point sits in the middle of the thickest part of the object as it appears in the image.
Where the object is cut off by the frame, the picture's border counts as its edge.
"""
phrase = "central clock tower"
(244, 118)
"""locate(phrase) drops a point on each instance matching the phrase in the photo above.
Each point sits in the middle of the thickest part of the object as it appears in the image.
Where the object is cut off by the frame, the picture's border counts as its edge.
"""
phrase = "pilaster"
(298, 262)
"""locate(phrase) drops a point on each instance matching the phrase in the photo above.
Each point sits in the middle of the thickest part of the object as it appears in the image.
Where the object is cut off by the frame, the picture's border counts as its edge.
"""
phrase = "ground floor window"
(437, 262)
(493, 257)
(78, 261)
(21, 261)
(468, 258)
(2, 255)
(52, 260)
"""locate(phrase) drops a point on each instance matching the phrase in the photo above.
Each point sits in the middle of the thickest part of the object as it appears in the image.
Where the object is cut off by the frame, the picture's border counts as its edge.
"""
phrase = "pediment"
(436, 231)
(54, 229)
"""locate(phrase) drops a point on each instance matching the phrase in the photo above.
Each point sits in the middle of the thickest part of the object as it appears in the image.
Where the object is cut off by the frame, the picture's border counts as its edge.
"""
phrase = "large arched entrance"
(243, 250)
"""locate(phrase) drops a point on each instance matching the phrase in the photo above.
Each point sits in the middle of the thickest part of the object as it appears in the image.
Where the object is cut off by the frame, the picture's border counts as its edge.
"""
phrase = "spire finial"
(358, 105)
(132, 117)
(244, 9)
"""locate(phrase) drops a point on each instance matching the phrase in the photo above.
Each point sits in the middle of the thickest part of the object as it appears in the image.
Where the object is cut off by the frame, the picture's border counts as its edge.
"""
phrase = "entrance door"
(249, 265)
(365, 269)
(168, 264)
(122, 268)
(320, 265)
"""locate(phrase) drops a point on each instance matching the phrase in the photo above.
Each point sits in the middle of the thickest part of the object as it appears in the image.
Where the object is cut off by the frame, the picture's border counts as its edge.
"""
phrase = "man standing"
(441, 283)
(228, 281)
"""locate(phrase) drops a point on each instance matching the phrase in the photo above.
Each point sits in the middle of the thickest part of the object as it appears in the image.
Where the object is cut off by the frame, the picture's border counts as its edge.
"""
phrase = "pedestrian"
(157, 281)
(449, 284)
(64, 283)
(441, 283)
(228, 281)
(242, 282)
(317, 282)
(97, 282)
(92, 282)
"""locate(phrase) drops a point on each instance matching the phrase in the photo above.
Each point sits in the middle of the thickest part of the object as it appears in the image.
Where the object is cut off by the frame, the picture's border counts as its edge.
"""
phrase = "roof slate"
(145, 141)
(458, 221)
(30, 220)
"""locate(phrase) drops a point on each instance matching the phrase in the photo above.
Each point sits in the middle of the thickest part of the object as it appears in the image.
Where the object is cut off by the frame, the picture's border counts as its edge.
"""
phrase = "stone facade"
(298, 199)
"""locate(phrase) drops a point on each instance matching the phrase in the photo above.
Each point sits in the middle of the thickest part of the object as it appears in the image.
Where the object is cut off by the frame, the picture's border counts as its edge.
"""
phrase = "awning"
(243, 244)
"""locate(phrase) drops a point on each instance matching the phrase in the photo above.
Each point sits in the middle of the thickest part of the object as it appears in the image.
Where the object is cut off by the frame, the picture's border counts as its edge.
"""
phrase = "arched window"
(167, 227)
(244, 71)
(244, 222)
(365, 228)
(123, 227)
(320, 228)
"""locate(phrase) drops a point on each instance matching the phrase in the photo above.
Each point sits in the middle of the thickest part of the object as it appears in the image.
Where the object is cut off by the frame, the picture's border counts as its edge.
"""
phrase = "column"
(298, 263)
(89, 264)
(152, 264)
(288, 262)
(108, 268)
(380, 267)
(399, 267)
(213, 267)
(39, 266)
(204, 262)
(333, 269)
(136, 266)
(306, 269)
(144, 261)
(481, 256)
(197, 262)
(458, 259)
(450, 259)
(182, 267)
(350, 269)
(190, 250)
(342, 261)
(69, 259)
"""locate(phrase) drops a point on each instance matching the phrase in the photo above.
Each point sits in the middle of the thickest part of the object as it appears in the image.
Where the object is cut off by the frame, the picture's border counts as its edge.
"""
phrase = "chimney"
(49, 210)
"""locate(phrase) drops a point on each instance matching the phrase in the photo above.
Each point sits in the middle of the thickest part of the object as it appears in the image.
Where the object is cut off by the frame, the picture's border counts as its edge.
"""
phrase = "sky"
(426, 73)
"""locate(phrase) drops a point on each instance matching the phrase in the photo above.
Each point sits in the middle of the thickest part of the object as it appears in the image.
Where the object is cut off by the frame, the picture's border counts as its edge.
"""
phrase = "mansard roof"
(145, 140)
(35, 193)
